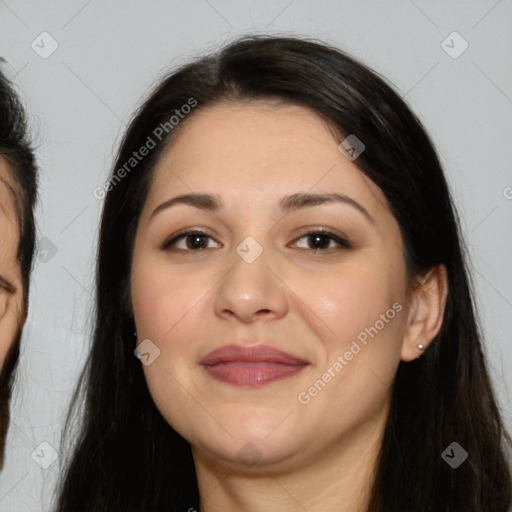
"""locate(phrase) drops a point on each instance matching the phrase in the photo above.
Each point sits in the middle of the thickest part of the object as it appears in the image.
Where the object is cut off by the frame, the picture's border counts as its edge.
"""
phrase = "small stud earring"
(420, 347)
(135, 333)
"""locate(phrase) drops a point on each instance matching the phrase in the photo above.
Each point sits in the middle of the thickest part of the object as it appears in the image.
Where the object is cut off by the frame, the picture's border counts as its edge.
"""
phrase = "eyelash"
(342, 242)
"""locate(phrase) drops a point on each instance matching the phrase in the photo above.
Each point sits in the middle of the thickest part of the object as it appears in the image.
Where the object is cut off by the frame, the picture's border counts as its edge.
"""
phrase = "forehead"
(264, 148)
(9, 229)
(7, 191)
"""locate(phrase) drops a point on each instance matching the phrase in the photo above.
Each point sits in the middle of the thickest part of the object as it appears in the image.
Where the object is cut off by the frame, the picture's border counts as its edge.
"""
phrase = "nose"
(251, 291)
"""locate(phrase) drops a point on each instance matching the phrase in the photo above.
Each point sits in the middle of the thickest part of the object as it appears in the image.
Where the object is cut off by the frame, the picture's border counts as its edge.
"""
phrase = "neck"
(339, 479)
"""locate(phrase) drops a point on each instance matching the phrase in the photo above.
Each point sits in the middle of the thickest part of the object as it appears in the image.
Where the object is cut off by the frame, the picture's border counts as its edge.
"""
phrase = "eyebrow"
(293, 202)
(6, 285)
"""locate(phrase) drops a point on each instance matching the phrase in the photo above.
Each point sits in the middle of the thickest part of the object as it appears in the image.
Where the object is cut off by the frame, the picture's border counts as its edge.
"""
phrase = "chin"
(247, 451)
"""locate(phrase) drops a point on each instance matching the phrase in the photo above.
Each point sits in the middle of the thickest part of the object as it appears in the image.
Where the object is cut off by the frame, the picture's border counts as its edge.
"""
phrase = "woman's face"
(257, 283)
(11, 295)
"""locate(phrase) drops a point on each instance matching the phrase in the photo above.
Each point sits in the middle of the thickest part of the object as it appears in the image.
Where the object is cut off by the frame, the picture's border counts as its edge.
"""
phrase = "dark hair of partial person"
(127, 458)
(17, 152)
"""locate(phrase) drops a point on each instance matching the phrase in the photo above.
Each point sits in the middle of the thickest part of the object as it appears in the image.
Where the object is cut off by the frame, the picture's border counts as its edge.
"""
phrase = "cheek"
(165, 306)
(352, 298)
(168, 305)
(161, 295)
(363, 306)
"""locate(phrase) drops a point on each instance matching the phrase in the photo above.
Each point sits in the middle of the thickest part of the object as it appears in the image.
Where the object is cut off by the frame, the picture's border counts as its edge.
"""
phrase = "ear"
(426, 312)
(12, 313)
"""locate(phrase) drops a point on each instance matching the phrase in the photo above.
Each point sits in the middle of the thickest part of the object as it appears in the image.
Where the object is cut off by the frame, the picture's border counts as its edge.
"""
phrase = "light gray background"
(109, 53)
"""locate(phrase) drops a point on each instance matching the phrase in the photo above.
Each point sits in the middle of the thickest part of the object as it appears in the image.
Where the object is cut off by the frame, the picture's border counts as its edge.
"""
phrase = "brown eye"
(194, 240)
(321, 241)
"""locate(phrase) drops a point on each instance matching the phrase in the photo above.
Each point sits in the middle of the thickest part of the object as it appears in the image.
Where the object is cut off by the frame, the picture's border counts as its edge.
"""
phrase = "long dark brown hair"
(126, 457)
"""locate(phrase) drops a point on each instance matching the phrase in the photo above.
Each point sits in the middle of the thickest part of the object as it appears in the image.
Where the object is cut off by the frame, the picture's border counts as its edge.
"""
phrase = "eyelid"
(323, 230)
(183, 232)
(342, 240)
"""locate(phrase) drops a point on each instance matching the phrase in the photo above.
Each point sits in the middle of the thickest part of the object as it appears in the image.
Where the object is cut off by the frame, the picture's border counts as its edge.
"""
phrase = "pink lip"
(251, 366)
